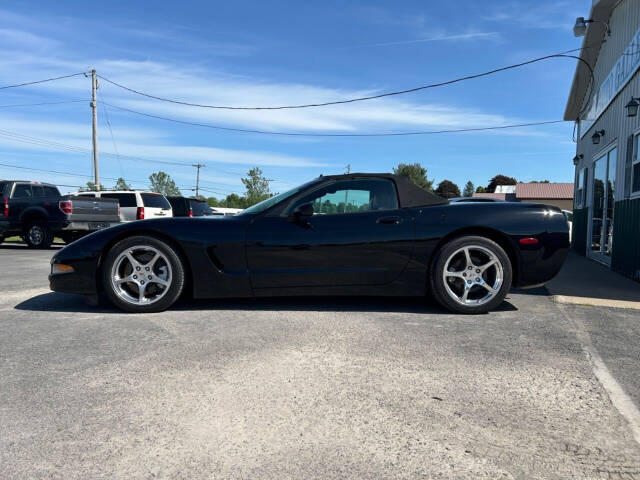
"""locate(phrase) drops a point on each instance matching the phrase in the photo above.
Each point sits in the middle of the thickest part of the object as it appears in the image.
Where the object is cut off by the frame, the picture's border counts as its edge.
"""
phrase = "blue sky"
(283, 52)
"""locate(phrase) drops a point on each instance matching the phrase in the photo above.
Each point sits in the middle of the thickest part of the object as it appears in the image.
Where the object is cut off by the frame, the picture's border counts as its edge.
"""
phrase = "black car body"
(278, 248)
(37, 212)
(189, 207)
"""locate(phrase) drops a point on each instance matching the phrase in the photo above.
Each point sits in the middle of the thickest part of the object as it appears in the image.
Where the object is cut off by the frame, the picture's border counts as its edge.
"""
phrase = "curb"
(595, 302)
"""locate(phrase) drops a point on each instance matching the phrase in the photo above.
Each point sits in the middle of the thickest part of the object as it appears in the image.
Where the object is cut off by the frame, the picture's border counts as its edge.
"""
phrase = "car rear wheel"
(38, 235)
(471, 275)
(143, 274)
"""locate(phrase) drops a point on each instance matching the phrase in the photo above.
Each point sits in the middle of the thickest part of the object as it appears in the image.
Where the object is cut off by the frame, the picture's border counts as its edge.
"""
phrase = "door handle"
(394, 220)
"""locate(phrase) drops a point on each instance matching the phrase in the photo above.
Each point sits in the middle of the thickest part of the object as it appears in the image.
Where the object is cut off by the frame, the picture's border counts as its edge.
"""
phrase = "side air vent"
(214, 259)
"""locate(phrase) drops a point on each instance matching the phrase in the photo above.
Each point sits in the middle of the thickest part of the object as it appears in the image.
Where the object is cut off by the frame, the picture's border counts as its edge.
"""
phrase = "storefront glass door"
(604, 183)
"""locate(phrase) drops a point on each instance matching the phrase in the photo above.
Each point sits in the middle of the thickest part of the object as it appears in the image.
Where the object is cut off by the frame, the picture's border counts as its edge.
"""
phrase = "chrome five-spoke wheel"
(472, 275)
(141, 275)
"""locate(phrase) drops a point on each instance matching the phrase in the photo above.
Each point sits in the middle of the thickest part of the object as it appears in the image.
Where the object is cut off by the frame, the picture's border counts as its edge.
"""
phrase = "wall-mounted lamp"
(577, 159)
(595, 138)
(632, 106)
(580, 28)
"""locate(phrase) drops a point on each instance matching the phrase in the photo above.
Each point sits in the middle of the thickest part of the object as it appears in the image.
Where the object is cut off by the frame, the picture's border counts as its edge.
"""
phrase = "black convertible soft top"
(410, 195)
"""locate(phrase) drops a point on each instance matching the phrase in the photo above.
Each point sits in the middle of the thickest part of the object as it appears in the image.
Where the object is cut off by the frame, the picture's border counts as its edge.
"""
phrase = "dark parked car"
(357, 234)
(37, 212)
(189, 207)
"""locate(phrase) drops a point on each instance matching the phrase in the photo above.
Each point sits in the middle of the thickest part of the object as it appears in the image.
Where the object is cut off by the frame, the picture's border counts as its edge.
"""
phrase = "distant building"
(505, 189)
(606, 221)
(558, 194)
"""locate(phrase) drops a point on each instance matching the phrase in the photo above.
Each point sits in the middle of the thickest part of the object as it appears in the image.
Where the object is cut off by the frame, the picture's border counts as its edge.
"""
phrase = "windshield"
(270, 202)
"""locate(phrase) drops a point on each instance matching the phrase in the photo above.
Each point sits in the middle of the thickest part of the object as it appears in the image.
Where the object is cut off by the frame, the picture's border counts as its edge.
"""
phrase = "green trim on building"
(626, 238)
(579, 230)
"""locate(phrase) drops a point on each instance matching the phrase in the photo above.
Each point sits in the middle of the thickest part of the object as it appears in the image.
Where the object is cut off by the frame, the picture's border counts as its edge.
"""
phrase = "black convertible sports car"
(358, 234)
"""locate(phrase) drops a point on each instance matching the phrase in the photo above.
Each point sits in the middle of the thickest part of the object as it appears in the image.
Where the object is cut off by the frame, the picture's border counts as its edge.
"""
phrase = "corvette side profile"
(356, 234)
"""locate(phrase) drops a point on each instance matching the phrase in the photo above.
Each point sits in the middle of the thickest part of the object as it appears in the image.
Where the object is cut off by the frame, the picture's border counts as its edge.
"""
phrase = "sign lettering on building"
(618, 77)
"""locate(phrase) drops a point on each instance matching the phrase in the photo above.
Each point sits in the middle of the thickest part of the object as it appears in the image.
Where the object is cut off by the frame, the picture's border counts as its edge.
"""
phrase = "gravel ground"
(309, 388)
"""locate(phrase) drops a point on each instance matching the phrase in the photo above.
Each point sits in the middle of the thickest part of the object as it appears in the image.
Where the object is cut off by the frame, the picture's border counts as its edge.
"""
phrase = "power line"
(302, 134)
(42, 81)
(358, 99)
(41, 103)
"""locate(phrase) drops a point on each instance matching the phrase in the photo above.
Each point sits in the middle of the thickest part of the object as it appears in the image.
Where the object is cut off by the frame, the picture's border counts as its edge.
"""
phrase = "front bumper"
(82, 280)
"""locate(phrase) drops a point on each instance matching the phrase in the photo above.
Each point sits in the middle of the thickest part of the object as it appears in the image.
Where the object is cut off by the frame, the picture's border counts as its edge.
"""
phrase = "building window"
(635, 162)
(581, 187)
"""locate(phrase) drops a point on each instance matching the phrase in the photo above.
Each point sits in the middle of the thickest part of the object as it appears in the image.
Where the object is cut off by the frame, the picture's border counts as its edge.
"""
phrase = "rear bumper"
(87, 226)
(541, 263)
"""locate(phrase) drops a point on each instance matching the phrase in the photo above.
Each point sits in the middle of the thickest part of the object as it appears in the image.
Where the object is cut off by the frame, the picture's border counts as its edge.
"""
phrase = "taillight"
(140, 213)
(190, 212)
(5, 206)
(528, 241)
(118, 209)
(66, 206)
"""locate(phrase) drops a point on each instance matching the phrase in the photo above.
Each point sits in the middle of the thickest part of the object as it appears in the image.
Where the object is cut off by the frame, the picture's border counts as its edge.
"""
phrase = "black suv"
(189, 207)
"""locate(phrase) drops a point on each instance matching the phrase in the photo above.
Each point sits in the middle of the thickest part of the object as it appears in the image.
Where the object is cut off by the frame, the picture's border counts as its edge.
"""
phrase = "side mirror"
(304, 210)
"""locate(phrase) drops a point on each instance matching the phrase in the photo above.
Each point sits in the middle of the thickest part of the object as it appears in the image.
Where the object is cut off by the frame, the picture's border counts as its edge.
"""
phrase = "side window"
(22, 190)
(125, 199)
(51, 191)
(353, 196)
(87, 194)
(37, 190)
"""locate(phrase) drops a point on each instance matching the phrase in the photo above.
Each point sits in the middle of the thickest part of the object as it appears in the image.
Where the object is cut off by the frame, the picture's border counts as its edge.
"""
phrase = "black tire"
(38, 235)
(441, 290)
(173, 259)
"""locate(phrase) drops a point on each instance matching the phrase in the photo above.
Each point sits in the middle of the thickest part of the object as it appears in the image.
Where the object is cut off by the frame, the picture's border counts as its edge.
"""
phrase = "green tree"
(91, 187)
(468, 189)
(481, 189)
(500, 180)
(213, 202)
(122, 185)
(539, 181)
(447, 189)
(416, 173)
(233, 200)
(162, 183)
(256, 185)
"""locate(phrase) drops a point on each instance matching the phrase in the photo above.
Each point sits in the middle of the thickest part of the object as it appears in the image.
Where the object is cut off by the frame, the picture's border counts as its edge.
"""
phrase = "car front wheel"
(143, 274)
(471, 275)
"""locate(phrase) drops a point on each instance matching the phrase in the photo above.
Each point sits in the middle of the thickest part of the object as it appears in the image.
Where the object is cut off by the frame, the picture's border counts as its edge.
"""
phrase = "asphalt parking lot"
(312, 388)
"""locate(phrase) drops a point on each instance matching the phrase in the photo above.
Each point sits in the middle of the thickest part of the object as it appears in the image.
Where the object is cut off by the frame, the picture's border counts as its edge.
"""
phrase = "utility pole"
(94, 117)
(348, 168)
(269, 180)
(198, 166)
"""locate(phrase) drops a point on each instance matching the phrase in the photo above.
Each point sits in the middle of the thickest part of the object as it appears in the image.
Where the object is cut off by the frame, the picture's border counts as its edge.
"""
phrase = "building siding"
(579, 230)
(624, 22)
(626, 238)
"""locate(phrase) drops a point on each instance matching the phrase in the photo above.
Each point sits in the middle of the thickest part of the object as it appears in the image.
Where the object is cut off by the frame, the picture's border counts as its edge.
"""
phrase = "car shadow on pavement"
(60, 302)
(21, 246)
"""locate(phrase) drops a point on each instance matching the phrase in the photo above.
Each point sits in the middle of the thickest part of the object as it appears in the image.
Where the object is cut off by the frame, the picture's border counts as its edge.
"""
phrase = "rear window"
(125, 199)
(3, 186)
(179, 205)
(154, 200)
(22, 190)
(200, 208)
